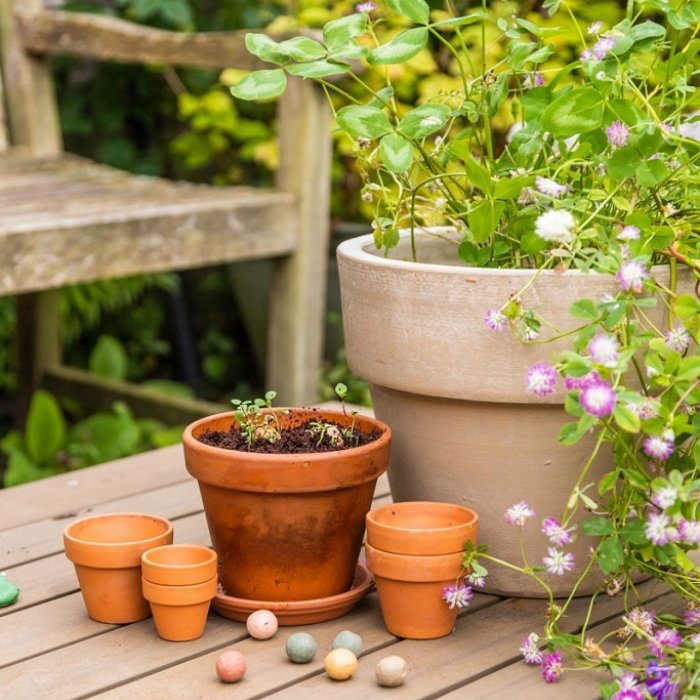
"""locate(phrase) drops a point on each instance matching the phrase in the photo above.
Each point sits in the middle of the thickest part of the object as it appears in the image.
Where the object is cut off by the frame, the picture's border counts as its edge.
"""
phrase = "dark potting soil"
(301, 439)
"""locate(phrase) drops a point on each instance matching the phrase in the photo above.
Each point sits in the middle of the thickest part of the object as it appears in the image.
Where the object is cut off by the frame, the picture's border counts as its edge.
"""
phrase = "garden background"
(202, 333)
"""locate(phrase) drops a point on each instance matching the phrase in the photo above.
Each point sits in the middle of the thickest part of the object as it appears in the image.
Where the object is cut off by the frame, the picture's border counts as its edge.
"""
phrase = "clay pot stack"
(414, 550)
(179, 582)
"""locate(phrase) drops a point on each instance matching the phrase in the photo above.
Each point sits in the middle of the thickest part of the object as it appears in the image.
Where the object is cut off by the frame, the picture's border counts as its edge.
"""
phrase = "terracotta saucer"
(298, 612)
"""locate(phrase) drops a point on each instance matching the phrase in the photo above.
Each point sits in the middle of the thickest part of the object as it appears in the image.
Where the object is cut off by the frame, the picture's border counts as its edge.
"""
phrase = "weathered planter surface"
(465, 428)
(287, 527)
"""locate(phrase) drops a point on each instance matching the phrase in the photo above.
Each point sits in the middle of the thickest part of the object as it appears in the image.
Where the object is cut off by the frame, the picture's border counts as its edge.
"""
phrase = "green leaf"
(683, 560)
(627, 420)
(511, 187)
(535, 101)
(686, 307)
(636, 479)
(340, 32)
(363, 121)
(597, 527)
(416, 10)
(633, 532)
(109, 358)
(318, 69)
(302, 48)
(265, 48)
(20, 470)
(463, 21)
(45, 431)
(689, 369)
(607, 482)
(396, 153)
(478, 175)
(261, 85)
(401, 48)
(424, 120)
(623, 163)
(584, 308)
(575, 112)
(610, 554)
(349, 52)
(484, 218)
(651, 173)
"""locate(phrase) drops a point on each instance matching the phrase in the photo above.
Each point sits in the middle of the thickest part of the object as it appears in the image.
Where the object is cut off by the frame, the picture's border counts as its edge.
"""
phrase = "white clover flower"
(555, 225)
(550, 187)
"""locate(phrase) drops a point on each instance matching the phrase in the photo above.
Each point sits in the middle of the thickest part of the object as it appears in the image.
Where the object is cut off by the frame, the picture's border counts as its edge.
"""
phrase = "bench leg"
(298, 294)
(38, 344)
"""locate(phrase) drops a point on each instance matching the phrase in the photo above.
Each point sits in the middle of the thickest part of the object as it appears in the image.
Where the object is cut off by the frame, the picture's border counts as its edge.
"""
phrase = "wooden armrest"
(113, 39)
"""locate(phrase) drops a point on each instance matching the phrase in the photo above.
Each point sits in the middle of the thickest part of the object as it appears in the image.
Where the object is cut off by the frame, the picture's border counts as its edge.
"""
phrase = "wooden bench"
(66, 220)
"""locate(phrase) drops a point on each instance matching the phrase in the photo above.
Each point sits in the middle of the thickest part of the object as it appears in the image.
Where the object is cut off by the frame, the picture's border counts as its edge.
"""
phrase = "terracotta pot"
(287, 527)
(421, 527)
(465, 428)
(179, 564)
(180, 612)
(106, 551)
(410, 591)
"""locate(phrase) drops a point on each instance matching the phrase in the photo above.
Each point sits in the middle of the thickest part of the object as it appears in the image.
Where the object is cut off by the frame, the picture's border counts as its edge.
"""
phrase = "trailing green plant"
(49, 445)
(599, 173)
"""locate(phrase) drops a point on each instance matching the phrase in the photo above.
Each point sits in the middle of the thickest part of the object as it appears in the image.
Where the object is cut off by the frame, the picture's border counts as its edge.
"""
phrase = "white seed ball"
(391, 671)
(262, 624)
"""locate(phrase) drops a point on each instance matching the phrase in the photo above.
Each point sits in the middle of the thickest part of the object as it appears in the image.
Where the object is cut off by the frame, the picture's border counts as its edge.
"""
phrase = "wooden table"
(50, 648)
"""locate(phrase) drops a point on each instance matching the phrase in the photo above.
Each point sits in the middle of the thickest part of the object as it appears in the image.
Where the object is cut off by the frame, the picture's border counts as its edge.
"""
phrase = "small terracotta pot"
(410, 591)
(421, 527)
(180, 612)
(178, 564)
(106, 551)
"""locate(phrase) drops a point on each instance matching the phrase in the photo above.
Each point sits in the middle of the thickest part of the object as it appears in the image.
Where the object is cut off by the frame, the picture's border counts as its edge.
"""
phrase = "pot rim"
(372, 517)
(421, 568)
(73, 539)
(361, 249)
(191, 442)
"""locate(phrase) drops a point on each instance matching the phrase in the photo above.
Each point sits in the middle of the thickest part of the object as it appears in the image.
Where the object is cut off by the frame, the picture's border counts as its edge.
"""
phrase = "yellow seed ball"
(391, 671)
(340, 664)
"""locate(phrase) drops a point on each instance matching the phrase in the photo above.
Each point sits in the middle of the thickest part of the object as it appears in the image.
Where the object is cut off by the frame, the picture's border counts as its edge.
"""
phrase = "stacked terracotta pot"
(415, 550)
(179, 581)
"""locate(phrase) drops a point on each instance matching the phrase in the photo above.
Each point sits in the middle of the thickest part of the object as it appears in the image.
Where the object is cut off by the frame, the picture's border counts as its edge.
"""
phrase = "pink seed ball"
(231, 666)
(262, 624)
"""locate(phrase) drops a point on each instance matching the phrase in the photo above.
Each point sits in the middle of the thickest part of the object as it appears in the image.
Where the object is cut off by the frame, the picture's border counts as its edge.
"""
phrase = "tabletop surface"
(50, 648)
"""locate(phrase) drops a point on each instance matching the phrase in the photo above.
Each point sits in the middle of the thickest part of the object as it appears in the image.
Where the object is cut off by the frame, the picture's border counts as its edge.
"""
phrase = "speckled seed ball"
(262, 624)
(301, 648)
(391, 671)
(231, 666)
(348, 640)
(340, 664)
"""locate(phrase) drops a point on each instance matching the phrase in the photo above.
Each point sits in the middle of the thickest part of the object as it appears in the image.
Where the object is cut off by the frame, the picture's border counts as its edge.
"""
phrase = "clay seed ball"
(340, 664)
(348, 640)
(262, 624)
(231, 666)
(391, 671)
(301, 648)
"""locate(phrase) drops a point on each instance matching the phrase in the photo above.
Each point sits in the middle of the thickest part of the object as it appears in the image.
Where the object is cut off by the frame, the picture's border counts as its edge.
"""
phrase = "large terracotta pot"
(465, 428)
(287, 527)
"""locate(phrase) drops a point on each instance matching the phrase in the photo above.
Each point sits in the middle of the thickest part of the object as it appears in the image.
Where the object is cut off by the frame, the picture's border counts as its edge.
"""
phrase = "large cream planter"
(453, 391)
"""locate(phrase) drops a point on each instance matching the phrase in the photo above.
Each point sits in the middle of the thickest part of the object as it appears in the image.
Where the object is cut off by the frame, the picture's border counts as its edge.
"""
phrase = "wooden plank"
(112, 39)
(67, 495)
(79, 249)
(29, 88)
(45, 537)
(297, 298)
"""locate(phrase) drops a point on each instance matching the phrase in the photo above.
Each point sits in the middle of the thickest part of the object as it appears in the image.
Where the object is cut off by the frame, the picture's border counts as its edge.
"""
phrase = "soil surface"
(305, 438)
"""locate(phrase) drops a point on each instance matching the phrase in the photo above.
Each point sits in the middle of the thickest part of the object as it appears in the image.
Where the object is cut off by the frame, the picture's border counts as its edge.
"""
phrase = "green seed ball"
(301, 648)
(391, 671)
(348, 640)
